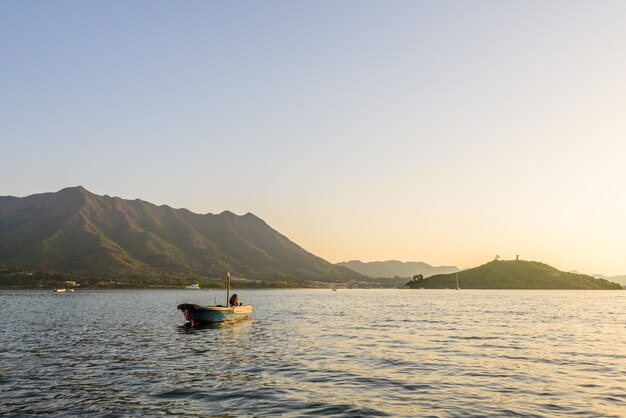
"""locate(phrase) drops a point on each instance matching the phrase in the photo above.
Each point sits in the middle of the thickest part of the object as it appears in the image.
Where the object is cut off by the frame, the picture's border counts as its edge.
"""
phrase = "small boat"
(60, 290)
(195, 286)
(232, 311)
(457, 281)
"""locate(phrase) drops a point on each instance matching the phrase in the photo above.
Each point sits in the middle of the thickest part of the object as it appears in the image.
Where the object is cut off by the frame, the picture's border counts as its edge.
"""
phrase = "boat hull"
(211, 314)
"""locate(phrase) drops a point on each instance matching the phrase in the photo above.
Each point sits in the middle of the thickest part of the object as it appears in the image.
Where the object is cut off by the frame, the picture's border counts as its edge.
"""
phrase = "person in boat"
(234, 300)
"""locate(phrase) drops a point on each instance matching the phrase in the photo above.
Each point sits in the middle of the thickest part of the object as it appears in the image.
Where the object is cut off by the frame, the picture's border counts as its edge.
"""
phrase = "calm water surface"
(315, 352)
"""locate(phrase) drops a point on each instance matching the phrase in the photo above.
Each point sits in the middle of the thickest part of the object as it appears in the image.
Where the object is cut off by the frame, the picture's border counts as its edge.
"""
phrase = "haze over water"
(316, 352)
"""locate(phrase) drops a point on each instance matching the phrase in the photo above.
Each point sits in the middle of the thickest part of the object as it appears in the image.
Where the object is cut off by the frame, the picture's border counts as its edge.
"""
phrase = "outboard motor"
(234, 300)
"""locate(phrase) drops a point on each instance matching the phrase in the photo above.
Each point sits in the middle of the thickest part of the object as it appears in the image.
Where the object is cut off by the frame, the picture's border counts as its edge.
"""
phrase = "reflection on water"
(188, 328)
(317, 353)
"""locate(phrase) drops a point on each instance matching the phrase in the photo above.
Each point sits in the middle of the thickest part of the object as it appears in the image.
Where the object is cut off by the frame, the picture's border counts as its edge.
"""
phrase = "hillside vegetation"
(513, 274)
(615, 279)
(77, 232)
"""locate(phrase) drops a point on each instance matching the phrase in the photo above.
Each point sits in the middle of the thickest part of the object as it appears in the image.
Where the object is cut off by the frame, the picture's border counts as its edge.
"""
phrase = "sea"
(361, 353)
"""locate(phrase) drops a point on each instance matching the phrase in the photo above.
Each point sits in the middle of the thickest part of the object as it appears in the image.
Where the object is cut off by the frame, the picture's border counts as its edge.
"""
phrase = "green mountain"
(616, 279)
(77, 232)
(513, 274)
(394, 268)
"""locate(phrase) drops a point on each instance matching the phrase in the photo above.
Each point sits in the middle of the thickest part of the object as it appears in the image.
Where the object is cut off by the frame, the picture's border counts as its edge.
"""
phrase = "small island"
(512, 274)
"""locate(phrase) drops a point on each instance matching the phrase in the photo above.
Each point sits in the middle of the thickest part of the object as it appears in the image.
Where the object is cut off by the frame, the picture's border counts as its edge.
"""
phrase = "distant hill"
(616, 279)
(394, 268)
(77, 232)
(514, 274)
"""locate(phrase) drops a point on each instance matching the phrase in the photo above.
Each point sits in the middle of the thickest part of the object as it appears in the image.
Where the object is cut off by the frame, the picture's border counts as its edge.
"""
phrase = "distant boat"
(232, 311)
(457, 281)
(60, 290)
(195, 286)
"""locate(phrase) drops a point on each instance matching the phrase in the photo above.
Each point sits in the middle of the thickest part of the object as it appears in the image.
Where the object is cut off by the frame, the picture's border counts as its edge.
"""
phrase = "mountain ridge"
(78, 232)
(513, 274)
(395, 268)
(621, 279)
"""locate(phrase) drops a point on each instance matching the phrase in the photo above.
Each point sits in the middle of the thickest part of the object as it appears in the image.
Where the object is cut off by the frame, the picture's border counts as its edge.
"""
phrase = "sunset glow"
(427, 131)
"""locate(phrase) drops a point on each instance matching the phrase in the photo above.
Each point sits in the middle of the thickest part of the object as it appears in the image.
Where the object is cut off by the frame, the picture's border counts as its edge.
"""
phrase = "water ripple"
(316, 353)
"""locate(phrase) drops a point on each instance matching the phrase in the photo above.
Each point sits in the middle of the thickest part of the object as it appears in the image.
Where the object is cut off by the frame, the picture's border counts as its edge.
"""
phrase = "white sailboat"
(457, 281)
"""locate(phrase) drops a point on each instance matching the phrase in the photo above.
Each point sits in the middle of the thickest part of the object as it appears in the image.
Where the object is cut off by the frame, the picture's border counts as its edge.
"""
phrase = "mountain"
(394, 268)
(514, 274)
(616, 279)
(77, 232)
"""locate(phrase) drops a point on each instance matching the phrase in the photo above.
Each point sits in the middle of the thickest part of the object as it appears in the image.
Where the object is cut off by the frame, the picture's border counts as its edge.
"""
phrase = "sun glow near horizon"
(437, 132)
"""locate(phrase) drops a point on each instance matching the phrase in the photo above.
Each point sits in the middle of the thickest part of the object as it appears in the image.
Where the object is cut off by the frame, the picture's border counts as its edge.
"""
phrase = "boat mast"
(228, 289)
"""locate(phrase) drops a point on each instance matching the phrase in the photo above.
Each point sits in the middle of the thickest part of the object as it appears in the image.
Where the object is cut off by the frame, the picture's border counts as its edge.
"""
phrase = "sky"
(439, 131)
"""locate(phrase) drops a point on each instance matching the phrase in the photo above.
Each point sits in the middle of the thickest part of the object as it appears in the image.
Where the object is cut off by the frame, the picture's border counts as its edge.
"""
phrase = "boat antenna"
(227, 289)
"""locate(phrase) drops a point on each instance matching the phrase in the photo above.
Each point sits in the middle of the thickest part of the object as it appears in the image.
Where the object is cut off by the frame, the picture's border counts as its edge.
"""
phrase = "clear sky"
(444, 132)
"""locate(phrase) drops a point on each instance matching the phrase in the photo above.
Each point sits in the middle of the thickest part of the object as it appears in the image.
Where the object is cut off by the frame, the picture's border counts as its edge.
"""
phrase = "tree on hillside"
(417, 278)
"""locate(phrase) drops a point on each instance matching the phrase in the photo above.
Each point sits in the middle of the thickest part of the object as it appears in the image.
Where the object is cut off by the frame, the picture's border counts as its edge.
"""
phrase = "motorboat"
(231, 311)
